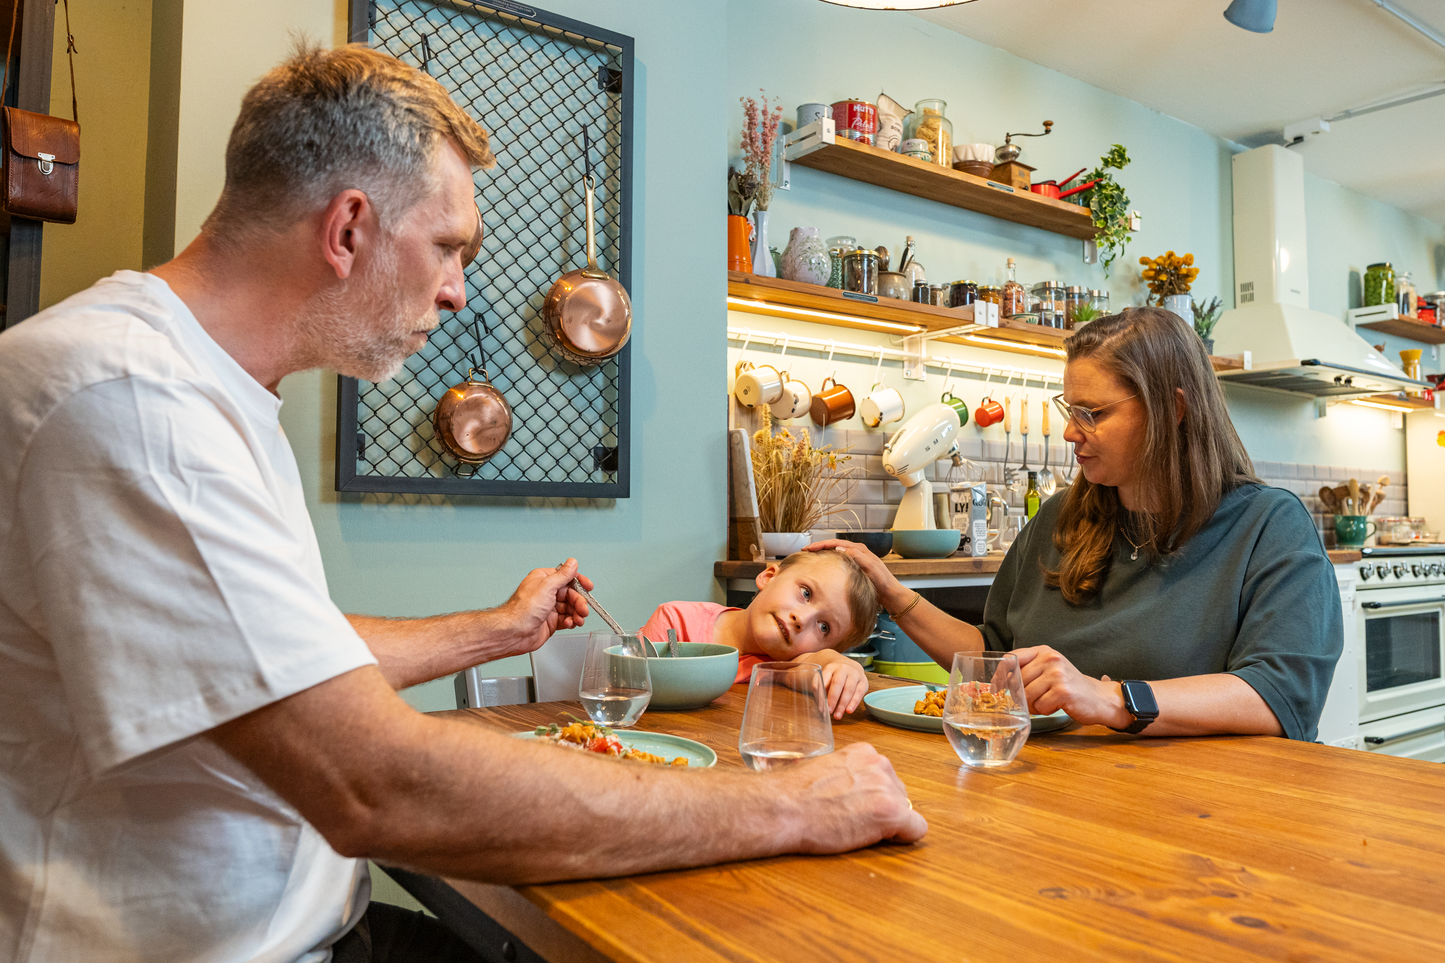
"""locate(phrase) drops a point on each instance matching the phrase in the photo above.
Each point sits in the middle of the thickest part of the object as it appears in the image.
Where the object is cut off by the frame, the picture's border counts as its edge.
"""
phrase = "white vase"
(762, 257)
(1182, 305)
(806, 258)
(783, 544)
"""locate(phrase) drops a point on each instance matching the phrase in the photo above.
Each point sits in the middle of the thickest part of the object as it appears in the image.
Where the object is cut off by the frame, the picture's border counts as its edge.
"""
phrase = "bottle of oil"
(1031, 496)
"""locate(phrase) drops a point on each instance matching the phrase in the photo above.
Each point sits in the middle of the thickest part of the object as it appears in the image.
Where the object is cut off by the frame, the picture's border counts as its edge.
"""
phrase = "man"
(196, 747)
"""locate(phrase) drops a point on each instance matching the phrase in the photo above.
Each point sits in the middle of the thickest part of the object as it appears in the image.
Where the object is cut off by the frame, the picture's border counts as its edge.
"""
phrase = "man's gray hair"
(328, 120)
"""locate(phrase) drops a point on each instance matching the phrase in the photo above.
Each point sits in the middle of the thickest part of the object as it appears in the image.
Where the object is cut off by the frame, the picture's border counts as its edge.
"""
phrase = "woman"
(1166, 561)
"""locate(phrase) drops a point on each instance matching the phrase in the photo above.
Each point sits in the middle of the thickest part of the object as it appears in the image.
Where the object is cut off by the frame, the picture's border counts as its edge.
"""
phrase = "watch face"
(1139, 699)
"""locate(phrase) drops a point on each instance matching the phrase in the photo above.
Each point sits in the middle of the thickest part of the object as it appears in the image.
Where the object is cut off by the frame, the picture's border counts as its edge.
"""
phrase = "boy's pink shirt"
(695, 622)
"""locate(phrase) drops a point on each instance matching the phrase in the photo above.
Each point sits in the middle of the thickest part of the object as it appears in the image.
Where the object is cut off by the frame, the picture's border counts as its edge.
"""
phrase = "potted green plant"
(1206, 316)
(1109, 204)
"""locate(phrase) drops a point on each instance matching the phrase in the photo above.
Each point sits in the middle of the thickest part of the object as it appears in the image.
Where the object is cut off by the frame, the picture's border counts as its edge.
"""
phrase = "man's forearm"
(450, 797)
(413, 651)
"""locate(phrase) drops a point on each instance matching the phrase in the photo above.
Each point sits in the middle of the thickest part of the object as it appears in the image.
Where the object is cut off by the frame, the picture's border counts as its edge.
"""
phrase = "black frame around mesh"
(533, 80)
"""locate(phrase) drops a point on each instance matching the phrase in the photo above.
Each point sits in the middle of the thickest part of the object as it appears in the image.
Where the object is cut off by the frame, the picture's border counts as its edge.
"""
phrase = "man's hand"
(853, 798)
(1051, 683)
(544, 603)
(844, 679)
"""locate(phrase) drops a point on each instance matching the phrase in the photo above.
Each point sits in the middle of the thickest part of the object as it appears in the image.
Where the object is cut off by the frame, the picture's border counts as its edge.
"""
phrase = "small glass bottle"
(1015, 299)
(1405, 297)
(1031, 496)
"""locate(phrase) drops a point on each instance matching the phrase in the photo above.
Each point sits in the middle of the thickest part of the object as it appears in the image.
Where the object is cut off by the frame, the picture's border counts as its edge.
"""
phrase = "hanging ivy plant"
(1109, 204)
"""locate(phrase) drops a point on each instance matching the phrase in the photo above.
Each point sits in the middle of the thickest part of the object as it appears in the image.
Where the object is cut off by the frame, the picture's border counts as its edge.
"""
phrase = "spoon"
(1008, 471)
(672, 649)
(1046, 476)
(612, 624)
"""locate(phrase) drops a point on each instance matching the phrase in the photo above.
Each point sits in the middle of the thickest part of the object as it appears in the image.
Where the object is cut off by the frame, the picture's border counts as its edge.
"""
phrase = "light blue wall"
(417, 556)
(1179, 178)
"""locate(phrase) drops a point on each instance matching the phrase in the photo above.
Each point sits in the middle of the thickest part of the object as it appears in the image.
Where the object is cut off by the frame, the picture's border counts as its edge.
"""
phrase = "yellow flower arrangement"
(798, 485)
(1169, 274)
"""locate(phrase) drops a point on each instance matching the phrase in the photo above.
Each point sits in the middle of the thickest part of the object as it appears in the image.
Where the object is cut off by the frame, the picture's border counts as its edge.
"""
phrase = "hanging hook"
(947, 379)
(877, 368)
(786, 339)
(481, 349)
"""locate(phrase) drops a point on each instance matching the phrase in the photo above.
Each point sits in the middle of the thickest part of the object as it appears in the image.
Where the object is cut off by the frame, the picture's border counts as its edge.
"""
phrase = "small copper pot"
(587, 314)
(473, 420)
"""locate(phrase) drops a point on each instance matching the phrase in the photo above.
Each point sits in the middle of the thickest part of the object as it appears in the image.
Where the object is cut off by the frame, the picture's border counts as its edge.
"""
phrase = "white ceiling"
(1182, 58)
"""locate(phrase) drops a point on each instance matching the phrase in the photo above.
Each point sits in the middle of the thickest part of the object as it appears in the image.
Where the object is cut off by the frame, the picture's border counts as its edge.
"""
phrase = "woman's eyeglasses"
(1085, 416)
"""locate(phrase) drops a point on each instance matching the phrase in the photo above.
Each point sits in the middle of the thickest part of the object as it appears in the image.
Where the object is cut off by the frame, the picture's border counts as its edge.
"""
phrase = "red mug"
(988, 412)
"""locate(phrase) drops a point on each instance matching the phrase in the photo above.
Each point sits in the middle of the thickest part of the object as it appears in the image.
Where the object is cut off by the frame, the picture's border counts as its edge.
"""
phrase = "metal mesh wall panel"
(534, 81)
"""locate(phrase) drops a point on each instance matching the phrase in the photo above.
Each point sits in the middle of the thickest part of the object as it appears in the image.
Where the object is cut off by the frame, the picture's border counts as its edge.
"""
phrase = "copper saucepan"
(473, 420)
(587, 314)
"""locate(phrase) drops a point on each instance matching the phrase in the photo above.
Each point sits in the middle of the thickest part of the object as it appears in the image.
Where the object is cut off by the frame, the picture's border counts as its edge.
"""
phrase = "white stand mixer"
(926, 437)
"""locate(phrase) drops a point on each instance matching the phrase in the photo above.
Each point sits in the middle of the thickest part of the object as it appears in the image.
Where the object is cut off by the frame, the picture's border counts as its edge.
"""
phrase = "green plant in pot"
(1206, 316)
(1109, 204)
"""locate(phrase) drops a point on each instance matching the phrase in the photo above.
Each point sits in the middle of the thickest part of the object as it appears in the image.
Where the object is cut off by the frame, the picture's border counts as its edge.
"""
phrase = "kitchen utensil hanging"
(473, 419)
(587, 314)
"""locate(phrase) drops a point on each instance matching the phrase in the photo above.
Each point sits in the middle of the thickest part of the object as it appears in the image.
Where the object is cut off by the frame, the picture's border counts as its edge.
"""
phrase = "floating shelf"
(1400, 401)
(812, 302)
(1407, 327)
(882, 168)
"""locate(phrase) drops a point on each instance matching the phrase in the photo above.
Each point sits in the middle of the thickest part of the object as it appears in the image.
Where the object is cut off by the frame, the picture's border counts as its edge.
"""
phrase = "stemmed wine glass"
(616, 685)
(786, 718)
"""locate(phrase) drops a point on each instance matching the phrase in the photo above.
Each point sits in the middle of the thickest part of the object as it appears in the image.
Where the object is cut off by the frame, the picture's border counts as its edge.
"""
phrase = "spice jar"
(860, 271)
(838, 246)
(961, 293)
(938, 294)
(991, 293)
(928, 124)
(1045, 296)
(1075, 296)
(917, 149)
(920, 292)
(1379, 284)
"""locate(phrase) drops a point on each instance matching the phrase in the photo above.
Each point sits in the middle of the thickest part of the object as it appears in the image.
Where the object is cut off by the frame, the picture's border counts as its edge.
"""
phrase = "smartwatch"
(1139, 701)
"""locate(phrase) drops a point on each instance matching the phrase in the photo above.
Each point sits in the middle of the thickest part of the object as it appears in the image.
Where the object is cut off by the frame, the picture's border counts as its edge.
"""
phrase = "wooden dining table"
(1091, 845)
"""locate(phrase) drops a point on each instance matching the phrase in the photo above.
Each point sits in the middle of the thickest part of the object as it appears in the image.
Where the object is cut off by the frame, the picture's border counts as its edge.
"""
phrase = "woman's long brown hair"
(1185, 466)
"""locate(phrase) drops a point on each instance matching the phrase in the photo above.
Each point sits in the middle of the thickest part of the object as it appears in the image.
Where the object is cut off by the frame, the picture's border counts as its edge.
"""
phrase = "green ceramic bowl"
(702, 672)
(922, 671)
(926, 542)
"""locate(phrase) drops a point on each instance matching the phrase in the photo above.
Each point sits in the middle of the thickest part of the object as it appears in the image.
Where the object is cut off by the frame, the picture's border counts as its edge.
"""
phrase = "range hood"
(1293, 348)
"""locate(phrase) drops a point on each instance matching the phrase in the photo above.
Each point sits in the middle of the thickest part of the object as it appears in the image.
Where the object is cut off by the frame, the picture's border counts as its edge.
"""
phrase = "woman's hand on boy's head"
(890, 592)
(843, 678)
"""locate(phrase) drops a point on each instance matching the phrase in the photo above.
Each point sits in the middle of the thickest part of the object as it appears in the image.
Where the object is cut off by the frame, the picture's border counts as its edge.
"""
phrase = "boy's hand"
(843, 678)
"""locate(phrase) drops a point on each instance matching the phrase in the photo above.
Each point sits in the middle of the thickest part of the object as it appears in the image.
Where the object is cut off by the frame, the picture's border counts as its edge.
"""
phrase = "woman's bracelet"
(908, 608)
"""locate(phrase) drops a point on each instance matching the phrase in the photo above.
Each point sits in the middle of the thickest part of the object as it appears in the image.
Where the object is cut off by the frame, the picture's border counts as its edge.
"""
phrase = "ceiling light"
(897, 4)
(1255, 15)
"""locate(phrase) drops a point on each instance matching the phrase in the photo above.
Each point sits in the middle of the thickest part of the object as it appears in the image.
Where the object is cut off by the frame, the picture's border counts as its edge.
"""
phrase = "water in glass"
(986, 715)
(786, 718)
(616, 686)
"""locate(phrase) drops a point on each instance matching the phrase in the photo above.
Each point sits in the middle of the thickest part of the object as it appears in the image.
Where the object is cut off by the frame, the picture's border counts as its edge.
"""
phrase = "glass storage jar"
(1075, 296)
(1379, 284)
(991, 293)
(927, 123)
(838, 246)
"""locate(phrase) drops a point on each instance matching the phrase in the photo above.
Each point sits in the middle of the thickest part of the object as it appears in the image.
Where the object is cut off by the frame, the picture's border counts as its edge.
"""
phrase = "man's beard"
(360, 327)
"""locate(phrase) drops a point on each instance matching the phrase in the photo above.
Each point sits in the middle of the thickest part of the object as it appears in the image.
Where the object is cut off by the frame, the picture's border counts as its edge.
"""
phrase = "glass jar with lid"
(1100, 300)
(1075, 296)
(1043, 292)
(1405, 297)
(838, 246)
(928, 124)
(1379, 285)
(991, 293)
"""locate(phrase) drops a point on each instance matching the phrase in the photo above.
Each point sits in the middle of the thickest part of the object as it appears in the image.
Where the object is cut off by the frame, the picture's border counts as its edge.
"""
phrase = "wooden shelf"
(1408, 327)
(883, 168)
(844, 308)
(1402, 401)
(1225, 364)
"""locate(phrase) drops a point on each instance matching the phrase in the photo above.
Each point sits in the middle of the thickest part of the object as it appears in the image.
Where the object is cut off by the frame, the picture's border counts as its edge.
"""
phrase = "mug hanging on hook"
(833, 402)
(797, 397)
(950, 399)
(883, 405)
(988, 412)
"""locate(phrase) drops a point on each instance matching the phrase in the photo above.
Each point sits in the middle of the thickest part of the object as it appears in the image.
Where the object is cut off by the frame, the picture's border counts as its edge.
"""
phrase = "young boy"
(809, 607)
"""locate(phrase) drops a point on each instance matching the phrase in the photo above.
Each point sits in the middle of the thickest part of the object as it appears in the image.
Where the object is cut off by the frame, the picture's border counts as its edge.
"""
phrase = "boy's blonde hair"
(861, 595)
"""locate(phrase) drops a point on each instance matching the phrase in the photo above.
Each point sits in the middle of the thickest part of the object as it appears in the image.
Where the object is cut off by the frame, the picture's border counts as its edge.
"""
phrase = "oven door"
(1415, 735)
(1401, 643)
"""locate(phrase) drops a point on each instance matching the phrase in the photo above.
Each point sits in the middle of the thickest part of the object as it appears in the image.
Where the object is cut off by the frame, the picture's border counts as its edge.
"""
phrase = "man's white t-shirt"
(159, 576)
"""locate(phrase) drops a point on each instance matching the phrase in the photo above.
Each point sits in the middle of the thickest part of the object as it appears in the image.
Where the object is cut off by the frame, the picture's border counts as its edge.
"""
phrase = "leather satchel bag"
(42, 153)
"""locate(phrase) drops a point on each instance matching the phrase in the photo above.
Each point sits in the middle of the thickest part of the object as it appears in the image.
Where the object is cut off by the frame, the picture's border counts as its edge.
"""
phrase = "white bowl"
(783, 544)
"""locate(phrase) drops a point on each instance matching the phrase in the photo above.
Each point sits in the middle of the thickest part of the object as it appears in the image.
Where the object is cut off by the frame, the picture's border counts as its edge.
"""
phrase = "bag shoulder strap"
(70, 52)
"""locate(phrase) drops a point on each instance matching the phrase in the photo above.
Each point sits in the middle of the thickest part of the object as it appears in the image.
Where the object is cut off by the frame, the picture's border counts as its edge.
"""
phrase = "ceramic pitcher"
(806, 258)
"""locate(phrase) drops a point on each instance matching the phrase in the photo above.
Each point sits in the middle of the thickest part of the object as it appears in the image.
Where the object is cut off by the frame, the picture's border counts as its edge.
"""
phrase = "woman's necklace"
(1134, 557)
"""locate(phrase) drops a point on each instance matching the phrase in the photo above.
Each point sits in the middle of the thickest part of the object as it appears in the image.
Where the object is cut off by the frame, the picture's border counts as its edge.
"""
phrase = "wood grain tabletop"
(1090, 846)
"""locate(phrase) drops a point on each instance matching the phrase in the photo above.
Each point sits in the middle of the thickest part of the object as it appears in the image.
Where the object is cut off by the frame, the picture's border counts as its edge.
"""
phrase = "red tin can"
(856, 120)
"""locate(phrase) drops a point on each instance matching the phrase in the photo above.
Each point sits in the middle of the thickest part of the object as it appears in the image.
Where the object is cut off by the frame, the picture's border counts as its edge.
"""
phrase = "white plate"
(895, 707)
(698, 755)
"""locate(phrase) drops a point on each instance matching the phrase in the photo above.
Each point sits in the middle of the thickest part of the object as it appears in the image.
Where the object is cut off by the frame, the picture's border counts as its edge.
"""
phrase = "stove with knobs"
(1419, 569)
